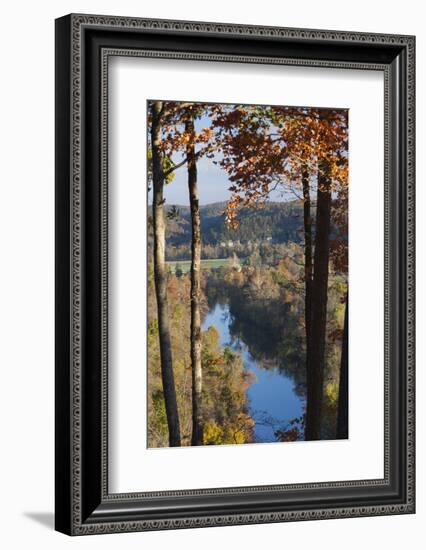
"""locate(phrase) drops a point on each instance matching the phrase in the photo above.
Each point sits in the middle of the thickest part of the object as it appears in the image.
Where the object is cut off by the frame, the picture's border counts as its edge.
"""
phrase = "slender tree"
(160, 277)
(197, 423)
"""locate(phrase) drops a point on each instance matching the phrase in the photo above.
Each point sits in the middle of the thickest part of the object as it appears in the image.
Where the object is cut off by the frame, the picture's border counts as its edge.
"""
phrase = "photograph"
(247, 267)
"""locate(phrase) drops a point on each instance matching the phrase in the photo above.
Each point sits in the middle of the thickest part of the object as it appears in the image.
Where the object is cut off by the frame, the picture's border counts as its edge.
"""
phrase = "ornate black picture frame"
(83, 45)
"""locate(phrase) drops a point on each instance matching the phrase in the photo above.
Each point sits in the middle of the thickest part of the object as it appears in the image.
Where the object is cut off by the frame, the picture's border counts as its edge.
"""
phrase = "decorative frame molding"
(84, 44)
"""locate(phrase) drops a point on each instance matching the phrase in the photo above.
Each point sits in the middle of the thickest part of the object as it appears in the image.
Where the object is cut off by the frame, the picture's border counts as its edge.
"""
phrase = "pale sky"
(213, 185)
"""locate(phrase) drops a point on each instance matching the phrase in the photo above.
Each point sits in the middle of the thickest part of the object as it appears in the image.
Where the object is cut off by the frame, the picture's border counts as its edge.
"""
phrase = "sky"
(213, 185)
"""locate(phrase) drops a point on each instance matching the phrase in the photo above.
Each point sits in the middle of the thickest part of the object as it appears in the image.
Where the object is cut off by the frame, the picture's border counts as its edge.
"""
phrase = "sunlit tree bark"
(160, 276)
(197, 425)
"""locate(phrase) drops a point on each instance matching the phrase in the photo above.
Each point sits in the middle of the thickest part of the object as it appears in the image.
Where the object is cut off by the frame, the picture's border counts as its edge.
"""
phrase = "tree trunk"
(319, 305)
(343, 405)
(307, 221)
(197, 422)
(160, 276)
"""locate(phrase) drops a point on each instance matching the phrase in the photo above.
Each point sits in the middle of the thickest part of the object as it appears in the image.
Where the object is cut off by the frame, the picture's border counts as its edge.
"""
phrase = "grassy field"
(185, 265)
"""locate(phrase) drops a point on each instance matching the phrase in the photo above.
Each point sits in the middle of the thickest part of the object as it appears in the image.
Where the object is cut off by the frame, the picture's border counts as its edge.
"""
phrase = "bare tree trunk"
(160, 275)
(307, 220)
(197, 421)
(343, 405)
(319, 305)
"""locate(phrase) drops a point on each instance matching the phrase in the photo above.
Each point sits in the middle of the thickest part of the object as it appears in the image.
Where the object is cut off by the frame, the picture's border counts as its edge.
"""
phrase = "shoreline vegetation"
(271, 276)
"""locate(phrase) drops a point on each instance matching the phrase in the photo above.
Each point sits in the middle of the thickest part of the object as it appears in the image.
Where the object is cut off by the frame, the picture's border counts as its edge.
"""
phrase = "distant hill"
(277, 222)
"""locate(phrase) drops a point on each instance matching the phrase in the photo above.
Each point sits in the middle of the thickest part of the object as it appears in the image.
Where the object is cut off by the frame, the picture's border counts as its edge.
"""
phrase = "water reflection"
(274, 397)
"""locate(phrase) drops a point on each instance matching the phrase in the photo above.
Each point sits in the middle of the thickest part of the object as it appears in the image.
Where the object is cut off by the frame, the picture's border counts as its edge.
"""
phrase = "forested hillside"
(275, 224)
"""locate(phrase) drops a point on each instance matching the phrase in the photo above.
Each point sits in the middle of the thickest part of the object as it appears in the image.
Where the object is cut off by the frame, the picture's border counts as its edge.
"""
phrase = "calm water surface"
(272, 398)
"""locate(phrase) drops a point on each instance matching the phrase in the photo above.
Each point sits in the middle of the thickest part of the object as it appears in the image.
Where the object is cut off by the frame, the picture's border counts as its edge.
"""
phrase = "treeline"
(265, 230)
(276, 221)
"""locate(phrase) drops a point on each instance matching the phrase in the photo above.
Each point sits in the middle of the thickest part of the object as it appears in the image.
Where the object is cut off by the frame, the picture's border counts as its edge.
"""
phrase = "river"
(272, 400)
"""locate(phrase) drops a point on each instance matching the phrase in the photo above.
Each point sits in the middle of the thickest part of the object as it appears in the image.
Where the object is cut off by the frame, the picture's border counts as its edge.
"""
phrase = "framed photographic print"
(234, 274)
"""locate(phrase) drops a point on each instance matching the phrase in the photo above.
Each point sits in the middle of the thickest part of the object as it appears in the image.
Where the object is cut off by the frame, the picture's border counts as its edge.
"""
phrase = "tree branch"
(174, 167)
